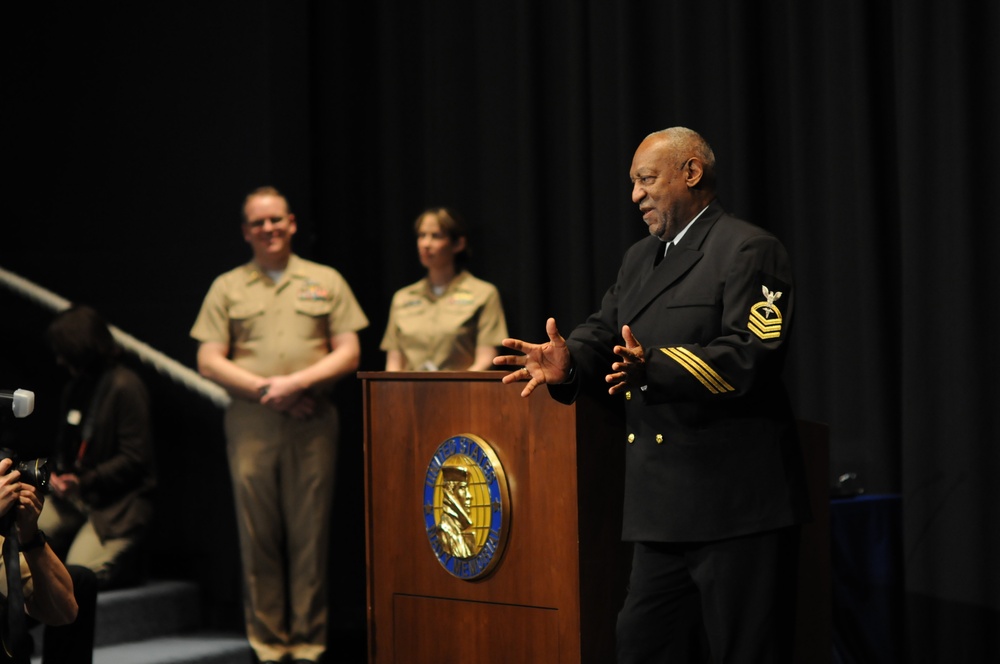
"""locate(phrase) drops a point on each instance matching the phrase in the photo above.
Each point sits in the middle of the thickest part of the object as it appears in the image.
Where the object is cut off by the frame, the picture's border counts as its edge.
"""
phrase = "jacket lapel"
(676, 264)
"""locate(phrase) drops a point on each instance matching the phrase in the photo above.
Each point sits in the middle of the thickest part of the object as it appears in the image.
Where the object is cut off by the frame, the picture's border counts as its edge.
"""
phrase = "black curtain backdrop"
(862, 132)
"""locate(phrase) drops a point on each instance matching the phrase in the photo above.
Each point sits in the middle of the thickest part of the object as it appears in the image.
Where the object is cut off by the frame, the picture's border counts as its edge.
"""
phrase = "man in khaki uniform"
(277, 333)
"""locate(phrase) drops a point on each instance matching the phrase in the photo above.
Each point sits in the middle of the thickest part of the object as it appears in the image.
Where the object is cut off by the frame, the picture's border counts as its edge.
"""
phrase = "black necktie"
(661, 254)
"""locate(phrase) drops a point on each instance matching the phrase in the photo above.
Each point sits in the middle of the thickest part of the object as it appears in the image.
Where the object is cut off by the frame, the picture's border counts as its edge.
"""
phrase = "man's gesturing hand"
(631, 371)
(540, 364)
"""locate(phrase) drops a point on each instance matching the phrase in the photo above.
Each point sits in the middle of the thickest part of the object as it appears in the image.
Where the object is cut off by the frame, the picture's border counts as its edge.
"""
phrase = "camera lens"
(35, 472)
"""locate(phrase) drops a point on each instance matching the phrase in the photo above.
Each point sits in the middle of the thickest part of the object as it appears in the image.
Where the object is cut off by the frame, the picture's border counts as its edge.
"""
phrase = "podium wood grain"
(554, 595)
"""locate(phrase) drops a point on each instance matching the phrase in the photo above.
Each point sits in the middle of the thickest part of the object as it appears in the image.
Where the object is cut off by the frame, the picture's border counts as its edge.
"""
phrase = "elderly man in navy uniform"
(692, 336)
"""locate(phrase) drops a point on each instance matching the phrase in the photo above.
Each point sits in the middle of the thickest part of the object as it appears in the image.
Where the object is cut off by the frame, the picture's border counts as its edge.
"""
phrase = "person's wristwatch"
(36, 543)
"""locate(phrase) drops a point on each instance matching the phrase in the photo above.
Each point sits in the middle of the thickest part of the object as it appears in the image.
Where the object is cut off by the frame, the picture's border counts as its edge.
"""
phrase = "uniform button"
(659, 438)
(628, 395)
(631, 438)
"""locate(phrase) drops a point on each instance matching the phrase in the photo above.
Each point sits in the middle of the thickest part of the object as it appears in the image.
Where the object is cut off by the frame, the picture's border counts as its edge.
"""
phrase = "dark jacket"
(710, 445)
(116, 468)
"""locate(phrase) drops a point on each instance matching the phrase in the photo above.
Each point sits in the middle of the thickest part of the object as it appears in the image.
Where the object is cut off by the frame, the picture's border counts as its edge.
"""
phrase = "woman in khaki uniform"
(449, 320)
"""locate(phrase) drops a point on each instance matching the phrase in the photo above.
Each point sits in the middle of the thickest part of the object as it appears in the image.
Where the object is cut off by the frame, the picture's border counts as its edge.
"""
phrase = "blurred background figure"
(278, 332)
(104, 473)
(449, 320)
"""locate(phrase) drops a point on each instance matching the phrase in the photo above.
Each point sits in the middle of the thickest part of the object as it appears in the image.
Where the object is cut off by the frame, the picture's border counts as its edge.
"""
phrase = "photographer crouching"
(35, 586)
(41, 586)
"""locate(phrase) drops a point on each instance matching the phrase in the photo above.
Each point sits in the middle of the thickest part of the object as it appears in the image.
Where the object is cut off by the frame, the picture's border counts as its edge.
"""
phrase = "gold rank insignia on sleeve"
(765, 319)
(698, 368)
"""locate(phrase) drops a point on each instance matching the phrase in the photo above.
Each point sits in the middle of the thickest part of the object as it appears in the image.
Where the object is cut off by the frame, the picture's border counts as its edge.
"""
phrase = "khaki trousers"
(72, 536)
(283, 480)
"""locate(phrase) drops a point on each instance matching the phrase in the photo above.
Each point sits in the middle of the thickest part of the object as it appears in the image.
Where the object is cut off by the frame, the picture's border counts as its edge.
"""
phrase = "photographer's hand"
(29, 507)
(10, 486)
(52, 601)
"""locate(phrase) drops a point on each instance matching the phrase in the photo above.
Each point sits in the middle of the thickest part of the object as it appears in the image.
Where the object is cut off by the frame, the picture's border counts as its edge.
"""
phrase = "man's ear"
(459, 245)
(693, 171)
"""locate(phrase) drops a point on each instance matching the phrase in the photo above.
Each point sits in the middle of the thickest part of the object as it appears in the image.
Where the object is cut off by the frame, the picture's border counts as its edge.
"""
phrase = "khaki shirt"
(273, 329)
(442, 333)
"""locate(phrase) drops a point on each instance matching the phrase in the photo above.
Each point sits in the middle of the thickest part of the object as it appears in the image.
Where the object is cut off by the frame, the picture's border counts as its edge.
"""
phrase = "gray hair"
(689, 142)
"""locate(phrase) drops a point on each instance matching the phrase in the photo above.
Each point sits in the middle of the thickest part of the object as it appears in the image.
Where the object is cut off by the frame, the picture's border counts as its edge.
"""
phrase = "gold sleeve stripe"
(705, 374)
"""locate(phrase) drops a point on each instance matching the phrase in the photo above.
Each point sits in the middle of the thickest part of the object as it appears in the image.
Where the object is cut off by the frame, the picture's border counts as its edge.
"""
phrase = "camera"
(33, 471)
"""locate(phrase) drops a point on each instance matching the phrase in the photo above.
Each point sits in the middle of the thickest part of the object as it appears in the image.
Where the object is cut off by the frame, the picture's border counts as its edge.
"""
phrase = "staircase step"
(179, 649)
(160, 622)
(157, 608)
(199, 648)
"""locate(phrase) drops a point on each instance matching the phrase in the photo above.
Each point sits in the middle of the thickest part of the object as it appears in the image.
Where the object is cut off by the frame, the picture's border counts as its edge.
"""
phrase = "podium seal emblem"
(466, 506)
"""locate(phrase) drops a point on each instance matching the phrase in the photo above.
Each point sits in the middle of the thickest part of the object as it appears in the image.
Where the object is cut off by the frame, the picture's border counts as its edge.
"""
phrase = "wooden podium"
(555, 588)
(558, 579)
